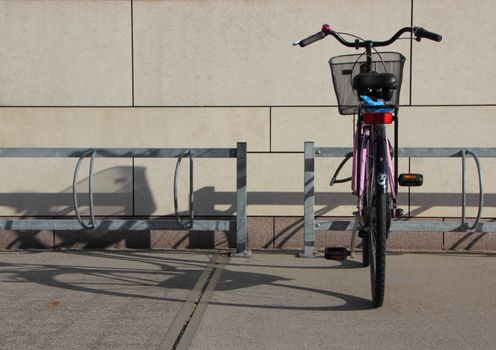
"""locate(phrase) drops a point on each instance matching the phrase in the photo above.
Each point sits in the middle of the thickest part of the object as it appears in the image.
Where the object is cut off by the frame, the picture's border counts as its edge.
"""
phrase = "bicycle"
(367, 86)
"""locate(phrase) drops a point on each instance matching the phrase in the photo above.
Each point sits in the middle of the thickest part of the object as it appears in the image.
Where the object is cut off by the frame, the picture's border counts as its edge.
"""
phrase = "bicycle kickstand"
(353, 238)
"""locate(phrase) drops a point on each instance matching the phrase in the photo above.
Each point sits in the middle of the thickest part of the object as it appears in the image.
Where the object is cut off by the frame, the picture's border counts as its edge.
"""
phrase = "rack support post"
(309, 206)
(241, 202)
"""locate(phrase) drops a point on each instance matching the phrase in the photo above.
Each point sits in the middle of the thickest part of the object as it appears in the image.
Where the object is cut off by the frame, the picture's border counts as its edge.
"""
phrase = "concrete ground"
(181, 300)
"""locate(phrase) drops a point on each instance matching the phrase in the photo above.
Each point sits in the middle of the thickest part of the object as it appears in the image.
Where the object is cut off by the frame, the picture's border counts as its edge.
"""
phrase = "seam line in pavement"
(190, 330)
(182, 329)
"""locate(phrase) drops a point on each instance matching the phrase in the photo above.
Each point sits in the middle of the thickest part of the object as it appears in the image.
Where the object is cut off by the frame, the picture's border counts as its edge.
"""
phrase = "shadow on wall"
(113, 194)
(114, 197)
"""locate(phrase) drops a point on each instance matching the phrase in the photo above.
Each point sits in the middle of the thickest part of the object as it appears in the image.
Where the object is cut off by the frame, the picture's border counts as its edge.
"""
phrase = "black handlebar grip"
(313, 38)
(422, 33)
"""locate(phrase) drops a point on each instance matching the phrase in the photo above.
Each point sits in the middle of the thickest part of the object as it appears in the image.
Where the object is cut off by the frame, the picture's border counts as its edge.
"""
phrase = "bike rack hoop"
(91, 224)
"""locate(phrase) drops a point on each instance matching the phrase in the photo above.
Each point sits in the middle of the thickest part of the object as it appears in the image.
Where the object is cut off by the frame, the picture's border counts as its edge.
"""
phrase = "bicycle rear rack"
(311, 224)
(178, 223)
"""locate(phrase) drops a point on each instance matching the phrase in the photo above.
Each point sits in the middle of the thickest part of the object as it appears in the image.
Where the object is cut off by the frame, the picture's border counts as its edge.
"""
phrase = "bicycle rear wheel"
(377, 251)
(378, 213)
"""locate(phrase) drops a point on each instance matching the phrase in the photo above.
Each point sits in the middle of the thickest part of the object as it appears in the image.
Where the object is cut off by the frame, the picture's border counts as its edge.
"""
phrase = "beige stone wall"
(210, 73)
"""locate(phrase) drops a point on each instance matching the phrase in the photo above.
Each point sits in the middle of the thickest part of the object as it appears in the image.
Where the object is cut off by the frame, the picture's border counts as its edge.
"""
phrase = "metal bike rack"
(178, 223)
(311, 224)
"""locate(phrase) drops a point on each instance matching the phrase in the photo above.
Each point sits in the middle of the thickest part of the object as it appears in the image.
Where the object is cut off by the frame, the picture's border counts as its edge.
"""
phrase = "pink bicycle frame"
(364, 164)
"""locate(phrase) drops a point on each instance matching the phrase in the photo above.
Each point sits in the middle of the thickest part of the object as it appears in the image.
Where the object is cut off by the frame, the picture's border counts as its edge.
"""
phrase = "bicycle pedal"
(410, 180)
(336, 253)
(399, 213)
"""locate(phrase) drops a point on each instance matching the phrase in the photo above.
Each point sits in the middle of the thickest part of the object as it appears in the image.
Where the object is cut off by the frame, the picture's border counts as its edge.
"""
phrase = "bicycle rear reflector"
(410, 180)
(378, 118)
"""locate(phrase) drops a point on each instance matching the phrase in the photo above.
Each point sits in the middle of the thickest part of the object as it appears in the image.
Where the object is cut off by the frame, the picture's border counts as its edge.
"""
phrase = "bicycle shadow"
(179, 272)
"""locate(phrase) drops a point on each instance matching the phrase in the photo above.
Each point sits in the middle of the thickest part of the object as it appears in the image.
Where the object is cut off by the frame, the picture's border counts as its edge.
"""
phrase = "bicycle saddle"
(375, 85)
(363, 81)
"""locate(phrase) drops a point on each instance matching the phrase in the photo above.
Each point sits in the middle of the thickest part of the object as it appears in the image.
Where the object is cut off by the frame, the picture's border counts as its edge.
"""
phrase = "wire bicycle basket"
(345, 67)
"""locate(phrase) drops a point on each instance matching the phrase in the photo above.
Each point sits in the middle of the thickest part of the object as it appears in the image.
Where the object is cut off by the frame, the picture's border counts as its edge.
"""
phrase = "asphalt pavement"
(207, 300)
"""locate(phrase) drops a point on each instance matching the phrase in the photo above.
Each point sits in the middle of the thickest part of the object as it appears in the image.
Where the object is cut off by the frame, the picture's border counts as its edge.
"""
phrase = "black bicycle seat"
(363, 81)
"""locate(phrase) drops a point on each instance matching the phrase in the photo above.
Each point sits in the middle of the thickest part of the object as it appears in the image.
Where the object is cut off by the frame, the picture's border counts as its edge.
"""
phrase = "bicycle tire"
(378, 215)
(377, 249)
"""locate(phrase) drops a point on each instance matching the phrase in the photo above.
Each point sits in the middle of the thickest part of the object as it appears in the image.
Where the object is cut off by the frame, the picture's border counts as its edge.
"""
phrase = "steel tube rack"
(311, 224)
(191, 224)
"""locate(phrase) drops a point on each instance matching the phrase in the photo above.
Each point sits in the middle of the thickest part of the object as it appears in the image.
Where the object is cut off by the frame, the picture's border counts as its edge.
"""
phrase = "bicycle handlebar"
(422, 33)
(419, 33)
(312, 38)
